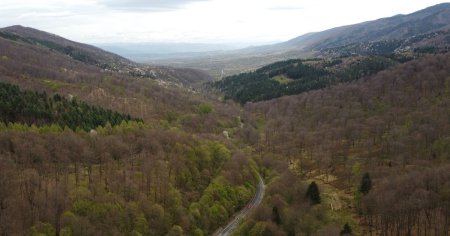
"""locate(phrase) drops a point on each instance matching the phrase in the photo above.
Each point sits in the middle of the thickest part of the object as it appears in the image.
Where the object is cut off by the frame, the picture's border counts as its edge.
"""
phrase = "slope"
(174, 172)
(107, 61)
(431, 19)
(393, 125)
(383, 36)
(298, 76)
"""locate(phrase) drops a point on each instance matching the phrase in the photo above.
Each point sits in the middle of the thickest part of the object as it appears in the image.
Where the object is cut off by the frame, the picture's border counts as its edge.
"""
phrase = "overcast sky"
(197, 21)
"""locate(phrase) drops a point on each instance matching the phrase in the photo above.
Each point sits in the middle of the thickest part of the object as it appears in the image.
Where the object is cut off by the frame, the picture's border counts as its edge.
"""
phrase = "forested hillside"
(347, 144)
(173, 172)
(415, 31)
(139, 182)
(378, 148)
(298, 76)
(38, 109)
(38, 69)
(106, 61)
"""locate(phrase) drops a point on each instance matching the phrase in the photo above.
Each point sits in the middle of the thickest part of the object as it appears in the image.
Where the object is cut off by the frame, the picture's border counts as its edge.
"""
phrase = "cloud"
(285, 8)
(146, 5)
(35, 14)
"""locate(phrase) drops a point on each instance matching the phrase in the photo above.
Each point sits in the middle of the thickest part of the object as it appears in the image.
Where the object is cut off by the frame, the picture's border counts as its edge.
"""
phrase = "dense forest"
(143, 182)
(298, 76)
(37, 108)
(360, 147)
(378, 148)
(174, 174)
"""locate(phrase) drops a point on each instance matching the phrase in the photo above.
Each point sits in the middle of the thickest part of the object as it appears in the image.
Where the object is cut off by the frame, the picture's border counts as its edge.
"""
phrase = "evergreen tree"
(313, 193)
(366, 184)
(346, 230)
(276, 215)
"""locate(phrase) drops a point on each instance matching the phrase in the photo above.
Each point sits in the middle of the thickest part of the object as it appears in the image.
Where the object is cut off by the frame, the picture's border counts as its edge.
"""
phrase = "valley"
(340, 132)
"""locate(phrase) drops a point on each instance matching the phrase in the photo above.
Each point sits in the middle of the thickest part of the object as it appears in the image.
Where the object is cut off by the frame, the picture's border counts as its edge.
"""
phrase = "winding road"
(254, 203)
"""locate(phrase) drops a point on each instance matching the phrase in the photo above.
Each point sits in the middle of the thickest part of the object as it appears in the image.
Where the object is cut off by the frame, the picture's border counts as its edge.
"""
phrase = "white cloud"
(146, 5)
(216, 21)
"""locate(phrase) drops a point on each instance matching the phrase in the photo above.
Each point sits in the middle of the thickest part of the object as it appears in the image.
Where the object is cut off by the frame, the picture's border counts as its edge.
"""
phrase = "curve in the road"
(234, 223)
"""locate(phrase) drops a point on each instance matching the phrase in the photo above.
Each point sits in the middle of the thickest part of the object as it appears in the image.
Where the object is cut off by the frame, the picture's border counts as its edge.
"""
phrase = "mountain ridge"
(399, 27)
(98, 57)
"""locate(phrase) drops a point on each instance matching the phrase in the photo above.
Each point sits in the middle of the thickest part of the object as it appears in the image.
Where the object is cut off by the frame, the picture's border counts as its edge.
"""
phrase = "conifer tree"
(346, 230)
(313, 193)
(366, 184)
(276, 215)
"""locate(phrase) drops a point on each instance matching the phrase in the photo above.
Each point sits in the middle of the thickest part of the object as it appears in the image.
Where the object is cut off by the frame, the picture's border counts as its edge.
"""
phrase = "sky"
(195, 21)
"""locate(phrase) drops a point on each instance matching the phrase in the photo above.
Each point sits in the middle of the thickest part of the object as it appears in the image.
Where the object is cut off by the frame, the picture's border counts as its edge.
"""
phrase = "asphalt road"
(254, 203)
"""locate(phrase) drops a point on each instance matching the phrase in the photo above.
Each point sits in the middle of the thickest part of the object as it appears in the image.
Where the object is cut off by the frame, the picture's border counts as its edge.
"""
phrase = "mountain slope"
(394, 126)
(431, 19)
(164, 175)
(34, 67)
(297, 76)
(391, 31)
(107, 61)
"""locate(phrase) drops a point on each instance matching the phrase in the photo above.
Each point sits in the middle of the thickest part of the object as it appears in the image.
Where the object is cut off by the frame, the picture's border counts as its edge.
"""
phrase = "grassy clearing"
(282, 79)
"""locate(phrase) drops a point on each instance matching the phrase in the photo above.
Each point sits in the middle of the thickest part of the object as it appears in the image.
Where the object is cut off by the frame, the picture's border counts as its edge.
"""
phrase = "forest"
(169, 172)
(142, 182)
(37, 108)
(350, 145)
(378, 149)
(297, 76)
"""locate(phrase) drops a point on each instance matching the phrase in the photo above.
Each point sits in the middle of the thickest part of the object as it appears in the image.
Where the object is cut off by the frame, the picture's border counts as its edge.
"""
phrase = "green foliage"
(366, 184)
(43, 229)
(313, 193)
(176, 230)
(198, 232)
(205, 109)
(39, 109)
(141, 225)
(66, 231)
(441, 148)
(298, 76)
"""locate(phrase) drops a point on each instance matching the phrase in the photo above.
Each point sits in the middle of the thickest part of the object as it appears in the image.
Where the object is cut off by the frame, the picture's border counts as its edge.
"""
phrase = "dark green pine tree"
(366, 184)
(313, 193)
(346, 230)
(276, 215)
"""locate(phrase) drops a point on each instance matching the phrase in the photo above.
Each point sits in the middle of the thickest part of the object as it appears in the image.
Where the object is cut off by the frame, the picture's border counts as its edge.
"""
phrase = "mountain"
(391, 30)
(33, 66)
(70, 131)
(392, 128)
(107, 61)
(435, 18)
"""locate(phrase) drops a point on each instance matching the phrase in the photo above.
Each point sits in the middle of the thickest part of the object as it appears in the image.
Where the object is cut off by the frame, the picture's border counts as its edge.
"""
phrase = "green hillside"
(298, 76)
(27, 107)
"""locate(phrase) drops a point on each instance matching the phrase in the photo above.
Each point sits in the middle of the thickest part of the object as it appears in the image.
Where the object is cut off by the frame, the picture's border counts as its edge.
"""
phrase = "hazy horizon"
(230, 22)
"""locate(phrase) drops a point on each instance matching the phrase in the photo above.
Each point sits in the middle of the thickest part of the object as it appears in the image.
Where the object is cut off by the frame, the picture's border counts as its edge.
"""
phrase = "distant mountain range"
(94, 56)
(425, 28)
